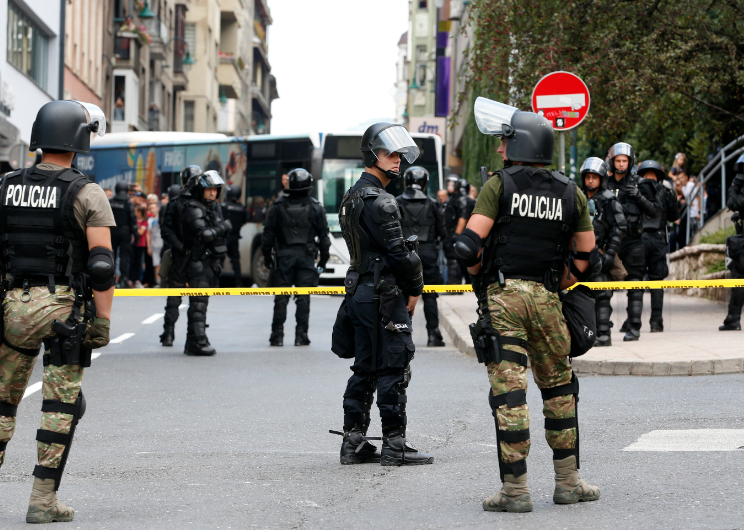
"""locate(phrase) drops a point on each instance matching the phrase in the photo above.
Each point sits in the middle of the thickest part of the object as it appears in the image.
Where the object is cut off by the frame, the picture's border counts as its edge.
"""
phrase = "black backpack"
(581, 318)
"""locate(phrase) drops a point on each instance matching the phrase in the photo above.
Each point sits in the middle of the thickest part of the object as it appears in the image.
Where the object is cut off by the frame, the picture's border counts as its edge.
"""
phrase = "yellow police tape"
(270, 291)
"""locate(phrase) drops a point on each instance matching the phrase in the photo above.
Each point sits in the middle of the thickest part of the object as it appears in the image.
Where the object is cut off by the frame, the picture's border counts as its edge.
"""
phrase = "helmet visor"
(95, 115)
(594, 165)
(211, 179)
(622, 149)
(394, 139)
(491, 116)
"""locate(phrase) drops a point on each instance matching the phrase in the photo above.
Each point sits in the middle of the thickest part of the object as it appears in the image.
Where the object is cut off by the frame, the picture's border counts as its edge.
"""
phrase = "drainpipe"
(62, 49)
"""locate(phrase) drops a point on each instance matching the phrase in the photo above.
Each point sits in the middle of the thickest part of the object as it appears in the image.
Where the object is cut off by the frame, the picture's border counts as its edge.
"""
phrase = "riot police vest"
(601, 217)
(633, 214)
(41, 241)
(455, 208)
(295, 220)
(361, 252)
(236, 214)
(537, 218)
(418, 219)
(663, 196)
(122, 210)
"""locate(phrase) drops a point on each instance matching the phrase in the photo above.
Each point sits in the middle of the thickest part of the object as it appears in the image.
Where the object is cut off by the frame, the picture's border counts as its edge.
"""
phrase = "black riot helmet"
(300, 182)
(453, 179)
(381, 140)
(208, 179)
(528, 136)
(65, 126)
(417, 178)
(621, 148)
(739, 165)
(189, 172)
(173, 191)
(652, 165)
(121, 187)
(465, 186)
(593, 165)
(233, 192)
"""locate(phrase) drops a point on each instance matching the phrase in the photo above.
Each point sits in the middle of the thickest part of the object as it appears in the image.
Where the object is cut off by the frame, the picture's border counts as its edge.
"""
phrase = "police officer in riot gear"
(422, 217)
(609, 227)
(125, 229)
(383, 285)
(204, 232)
(456, 212)
(56, 255)
(465, 190)
(530, 236)
(172, 232)
(295, 230)
(655, 236)
(237, 214)
(735, 248)
(638, 199)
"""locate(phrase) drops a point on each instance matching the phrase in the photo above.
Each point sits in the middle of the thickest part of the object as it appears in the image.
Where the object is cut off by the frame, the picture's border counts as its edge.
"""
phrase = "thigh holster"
(9, 410)
(66, 347)
(488, 344)
(76, 410)
(513, 399)
(562, 424)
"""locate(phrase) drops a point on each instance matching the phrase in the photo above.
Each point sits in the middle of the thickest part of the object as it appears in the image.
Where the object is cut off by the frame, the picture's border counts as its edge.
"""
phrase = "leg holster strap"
(508, 355)
(517, 468)
(511, 437)
(562, 424)
(52, 405)
(7, 409)
(46, 472)
(511, 399)
(3, 445)
(25, 351)
(560, 454)
(52, 437)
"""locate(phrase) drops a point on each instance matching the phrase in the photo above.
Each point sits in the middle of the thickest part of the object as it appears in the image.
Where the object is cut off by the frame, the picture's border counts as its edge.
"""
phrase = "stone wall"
(692, 262)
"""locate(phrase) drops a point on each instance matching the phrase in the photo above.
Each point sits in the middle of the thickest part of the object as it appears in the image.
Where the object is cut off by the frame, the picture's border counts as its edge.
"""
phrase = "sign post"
(563, 98)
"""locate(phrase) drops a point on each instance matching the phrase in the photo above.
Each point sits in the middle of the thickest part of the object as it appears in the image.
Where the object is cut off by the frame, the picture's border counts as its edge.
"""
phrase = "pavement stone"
(690, 345)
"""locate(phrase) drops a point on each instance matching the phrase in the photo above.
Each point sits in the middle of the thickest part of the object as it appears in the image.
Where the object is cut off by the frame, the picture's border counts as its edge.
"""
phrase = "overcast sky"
(334, 61)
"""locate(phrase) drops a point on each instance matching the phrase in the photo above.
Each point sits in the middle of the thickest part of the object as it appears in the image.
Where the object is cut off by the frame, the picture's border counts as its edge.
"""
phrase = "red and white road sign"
(563, 98)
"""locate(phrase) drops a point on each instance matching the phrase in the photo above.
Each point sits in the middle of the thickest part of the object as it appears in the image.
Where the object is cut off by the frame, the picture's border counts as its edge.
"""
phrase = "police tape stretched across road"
(271, 291)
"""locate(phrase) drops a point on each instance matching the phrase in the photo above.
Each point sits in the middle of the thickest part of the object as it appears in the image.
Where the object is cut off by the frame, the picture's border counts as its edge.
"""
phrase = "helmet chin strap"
(392, 175)
(591, 189)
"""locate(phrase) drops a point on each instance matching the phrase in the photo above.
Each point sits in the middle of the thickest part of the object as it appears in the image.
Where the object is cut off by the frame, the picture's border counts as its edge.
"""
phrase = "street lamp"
(187, 61)
(146, 12)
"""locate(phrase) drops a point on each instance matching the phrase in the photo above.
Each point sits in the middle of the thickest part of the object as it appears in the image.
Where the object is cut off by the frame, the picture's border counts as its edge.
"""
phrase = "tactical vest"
(122, 210)
(453, 210)
(191, 238)
(601, 217)
(41, 241)
(632, 211)
(236, 214)
(295, 221)
(537, 218)
(418, 219)
(361, 253)
(659, 222)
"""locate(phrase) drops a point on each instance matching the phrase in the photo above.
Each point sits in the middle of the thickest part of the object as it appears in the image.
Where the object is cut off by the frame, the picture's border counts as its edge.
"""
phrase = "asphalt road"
(241, 440)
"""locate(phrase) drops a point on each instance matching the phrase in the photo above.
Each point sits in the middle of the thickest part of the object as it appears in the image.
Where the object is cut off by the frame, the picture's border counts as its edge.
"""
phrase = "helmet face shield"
(594, 165)
(491, 116)
(95, 116)
(212, 179)
(622, 149)
(394, 139)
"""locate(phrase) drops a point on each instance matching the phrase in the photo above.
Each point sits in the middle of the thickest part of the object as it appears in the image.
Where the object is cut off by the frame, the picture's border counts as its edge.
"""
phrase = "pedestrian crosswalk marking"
(152, 319)
(690, 440)
(121, 338)
(31, 389)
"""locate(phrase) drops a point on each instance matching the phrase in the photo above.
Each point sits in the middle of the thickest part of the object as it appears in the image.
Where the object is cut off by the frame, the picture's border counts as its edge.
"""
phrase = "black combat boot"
(301, 338)
(277, 337)
(657, 326)
(166, 339)
(603, 339)
(397, 452)
(355, 449)
(731, 323)
(624, 328)
(435, 338)
(197, 342)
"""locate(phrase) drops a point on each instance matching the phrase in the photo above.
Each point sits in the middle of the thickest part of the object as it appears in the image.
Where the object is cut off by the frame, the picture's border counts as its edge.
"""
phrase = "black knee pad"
(564, 423)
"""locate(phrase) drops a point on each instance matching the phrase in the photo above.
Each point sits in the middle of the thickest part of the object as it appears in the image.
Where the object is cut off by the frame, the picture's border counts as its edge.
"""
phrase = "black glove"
(608, 261)
(633, 192)
(268, 261)
(223, 227)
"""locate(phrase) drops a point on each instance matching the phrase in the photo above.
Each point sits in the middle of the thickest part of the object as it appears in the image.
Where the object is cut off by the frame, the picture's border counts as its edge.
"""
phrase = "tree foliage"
(664, 75)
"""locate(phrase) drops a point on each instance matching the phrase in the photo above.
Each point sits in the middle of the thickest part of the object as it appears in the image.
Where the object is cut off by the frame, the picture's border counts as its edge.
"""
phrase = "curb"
(460, 334)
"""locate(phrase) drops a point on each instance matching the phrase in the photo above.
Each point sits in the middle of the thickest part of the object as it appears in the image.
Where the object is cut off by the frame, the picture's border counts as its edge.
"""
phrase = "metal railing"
(718, 163)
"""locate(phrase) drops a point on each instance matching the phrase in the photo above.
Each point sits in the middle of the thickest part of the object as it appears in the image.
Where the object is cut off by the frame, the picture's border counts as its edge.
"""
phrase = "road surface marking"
(154, 318)
(690, 440)
(95, 355)
(183, 306)
(121, 338)
(31, 389)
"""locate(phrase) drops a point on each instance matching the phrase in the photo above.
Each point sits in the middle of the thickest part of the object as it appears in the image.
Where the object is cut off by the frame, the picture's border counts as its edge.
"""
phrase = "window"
(28, 47)
(190, 38)
(120, 97)
(422, 4)
(122, 47)
(421, 54)
(188, 116)
(421, 75)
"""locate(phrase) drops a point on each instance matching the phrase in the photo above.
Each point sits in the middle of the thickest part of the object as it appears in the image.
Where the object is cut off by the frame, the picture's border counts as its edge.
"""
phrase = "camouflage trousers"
(526, 310)
(26, 324)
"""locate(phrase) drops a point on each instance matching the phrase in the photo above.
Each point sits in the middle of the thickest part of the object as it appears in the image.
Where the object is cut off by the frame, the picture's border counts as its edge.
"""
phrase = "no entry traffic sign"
(563, 98)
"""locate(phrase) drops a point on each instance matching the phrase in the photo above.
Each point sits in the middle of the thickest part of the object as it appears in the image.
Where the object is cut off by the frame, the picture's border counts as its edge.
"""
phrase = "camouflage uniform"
(526, 310)
(26, 325)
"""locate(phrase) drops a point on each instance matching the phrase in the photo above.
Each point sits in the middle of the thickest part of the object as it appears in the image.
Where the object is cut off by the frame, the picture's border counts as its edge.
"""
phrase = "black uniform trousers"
(632, 254)
(655, 250)
(294, 267)
(233, 253)
(395, 351)
(176, 280)
(737, 298)
(603, 307)
(429, 255)
(200, 274)
(121, 241)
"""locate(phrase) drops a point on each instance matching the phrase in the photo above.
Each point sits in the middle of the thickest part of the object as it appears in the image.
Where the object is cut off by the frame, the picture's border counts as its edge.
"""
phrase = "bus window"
(260, 188)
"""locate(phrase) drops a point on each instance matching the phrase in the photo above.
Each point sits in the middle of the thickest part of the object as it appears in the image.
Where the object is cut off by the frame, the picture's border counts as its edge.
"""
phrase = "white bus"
(256, 164)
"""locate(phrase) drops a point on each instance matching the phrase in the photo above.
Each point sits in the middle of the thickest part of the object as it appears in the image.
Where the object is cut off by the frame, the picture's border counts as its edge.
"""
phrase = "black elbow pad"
(468, 246)
(595, 264)
(101, 269)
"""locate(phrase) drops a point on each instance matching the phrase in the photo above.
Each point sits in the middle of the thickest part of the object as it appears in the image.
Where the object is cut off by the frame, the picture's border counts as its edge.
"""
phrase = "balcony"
(159, 39)
(231, 10)
(229, 77)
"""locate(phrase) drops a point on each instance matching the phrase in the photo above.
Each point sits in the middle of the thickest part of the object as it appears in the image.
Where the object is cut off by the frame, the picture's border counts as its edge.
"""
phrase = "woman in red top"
(140, 246)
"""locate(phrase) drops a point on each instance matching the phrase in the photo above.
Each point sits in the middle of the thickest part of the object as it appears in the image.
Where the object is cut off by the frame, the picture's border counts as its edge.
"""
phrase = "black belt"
(654, 231)
(368, 278)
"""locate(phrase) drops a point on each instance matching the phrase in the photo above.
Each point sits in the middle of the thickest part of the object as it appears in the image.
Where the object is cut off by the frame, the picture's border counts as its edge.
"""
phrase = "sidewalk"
(690, 344)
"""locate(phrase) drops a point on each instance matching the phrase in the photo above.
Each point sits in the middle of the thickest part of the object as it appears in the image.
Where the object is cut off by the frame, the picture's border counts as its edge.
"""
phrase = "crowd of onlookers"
(148, 242)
